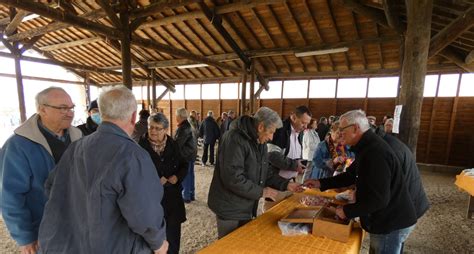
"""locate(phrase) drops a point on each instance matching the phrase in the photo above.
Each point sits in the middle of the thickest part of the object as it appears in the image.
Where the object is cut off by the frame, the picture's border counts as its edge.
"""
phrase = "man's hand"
(270, 193)
(163, 249)
(173, 179)
(300, 168)
(30, 248)
(294, 187)
(163, 180)
(340, 213)
(312, 183)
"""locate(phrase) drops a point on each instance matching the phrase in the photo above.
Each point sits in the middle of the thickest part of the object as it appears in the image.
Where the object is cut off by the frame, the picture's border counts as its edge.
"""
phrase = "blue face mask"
(96, 118)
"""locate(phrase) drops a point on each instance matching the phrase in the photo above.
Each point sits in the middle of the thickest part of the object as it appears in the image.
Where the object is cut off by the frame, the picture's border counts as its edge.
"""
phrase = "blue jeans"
(389, 243)
(188, 183)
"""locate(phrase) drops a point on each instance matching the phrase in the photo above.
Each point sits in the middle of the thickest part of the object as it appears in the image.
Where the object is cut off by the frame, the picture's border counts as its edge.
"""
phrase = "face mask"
(96, 118)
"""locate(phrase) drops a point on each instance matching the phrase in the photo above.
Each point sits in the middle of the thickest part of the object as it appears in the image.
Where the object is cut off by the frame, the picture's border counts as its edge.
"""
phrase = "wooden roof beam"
(371, 13)
(16, 21)
(457, 59)
(111, 32)
(469, 58)
(393, 16)
(110, 13)
(154, 8)
(449, 34)
(71, 44)
(222, 9)
(216, 21)
(258, 53)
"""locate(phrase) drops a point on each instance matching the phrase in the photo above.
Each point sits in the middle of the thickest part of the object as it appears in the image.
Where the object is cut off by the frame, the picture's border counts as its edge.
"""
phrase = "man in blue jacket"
(26, 159)
(105, 200)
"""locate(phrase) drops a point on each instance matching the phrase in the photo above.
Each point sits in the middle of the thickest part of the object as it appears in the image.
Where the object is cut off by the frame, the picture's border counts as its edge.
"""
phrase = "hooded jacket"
(25, 162)
(241, 174)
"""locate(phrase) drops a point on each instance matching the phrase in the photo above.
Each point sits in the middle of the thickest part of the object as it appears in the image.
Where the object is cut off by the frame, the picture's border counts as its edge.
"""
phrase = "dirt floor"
(444, 229)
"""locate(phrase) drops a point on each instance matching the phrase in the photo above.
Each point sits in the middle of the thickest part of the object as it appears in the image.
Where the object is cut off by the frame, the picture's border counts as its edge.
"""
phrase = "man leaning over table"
(242, 174)
(382, 198)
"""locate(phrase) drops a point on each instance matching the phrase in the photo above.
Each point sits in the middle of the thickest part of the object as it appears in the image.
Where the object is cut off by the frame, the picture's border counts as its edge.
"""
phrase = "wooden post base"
(470, 207)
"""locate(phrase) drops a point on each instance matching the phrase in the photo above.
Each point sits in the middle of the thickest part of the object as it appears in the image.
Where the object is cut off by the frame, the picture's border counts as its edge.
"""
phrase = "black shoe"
(187, 201)
(193, 199)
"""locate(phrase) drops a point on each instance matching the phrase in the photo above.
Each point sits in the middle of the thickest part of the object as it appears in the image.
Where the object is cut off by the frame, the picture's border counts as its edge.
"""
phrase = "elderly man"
(27, 158)
(285, 153)
(106, 200)
(382, 198)
(187, 144)
(93, 120)
(242, 175)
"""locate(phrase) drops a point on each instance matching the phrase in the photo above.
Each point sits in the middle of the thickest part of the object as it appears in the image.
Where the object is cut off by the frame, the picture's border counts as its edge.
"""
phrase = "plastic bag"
(293, 229)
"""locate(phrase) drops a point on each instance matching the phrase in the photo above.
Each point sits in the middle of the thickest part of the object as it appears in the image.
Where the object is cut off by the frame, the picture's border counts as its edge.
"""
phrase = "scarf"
(336, 151)
(158, 146)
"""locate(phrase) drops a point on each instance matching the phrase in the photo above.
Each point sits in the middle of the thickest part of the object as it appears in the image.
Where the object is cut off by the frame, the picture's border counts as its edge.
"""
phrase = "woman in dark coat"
(171, 170)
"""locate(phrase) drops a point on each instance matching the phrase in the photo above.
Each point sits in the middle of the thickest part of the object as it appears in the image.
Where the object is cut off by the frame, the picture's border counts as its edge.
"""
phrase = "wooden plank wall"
(436, 117)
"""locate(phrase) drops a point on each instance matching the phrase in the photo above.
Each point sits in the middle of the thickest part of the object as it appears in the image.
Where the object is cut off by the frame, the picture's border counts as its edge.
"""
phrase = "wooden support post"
(153, 89)
(243, 101)
(366, 100)
(87, 89)
(125, 47)
(281, 97)
(19, 87)
(162, 95)
(148, 95)
(252, 88)
(414, 67)
(451, 122)
(430, 132)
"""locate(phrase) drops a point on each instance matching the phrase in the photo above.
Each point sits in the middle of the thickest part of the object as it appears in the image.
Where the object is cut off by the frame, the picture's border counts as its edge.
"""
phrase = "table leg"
(470, 207)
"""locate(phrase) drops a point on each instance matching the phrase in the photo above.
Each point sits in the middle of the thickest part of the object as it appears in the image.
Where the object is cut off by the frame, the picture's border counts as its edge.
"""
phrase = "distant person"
(331, 120)
(93, 119)
(221, 123)
(242, 175)
(27, 157)
(310, 142)
(141, 126)
(210, 132)
(287, 154)
(372, 122)
(105, 200)
(388, 126)
(192, 119)
(187, 144)
(230, 118)
(382, 200)
(323, 127)
(381, 128)
(171, 169)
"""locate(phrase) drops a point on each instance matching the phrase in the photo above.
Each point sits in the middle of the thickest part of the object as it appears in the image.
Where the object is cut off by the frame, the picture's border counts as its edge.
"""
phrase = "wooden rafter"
(216, 21)
(392, 16)
(333, 20)
(361, 48)
(371, 13)
(300, 34)
(16, 21)
(110, 13)
(154, 8)
(71, 44)
(456, 58)
(315, 26)
(451, 32)
(470, 58)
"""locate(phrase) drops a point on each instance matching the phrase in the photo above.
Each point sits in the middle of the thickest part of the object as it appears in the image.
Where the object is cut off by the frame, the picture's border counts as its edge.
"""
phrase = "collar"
(364, 141)
(108, 127)
(63, 138)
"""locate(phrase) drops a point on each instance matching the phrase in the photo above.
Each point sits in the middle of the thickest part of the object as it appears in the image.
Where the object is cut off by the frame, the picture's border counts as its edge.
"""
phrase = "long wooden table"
(262, 235)
(466, 183)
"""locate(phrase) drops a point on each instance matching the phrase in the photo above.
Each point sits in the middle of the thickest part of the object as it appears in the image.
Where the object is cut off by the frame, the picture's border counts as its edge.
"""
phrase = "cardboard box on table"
(323, 220)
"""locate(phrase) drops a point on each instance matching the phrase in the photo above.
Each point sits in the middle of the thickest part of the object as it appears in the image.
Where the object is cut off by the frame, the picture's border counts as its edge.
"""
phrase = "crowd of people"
(61, 194)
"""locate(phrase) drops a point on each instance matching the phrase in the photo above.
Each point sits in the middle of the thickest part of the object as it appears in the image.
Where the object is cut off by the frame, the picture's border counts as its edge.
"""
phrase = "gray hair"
(42, 97)
(268, 117)
(117, 103)
(210, 113)
(182, 112)
(389, 120)
(159, 118)
(357, 117)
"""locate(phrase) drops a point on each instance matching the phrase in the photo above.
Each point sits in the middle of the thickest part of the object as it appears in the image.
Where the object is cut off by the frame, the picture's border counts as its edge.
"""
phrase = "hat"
(92, 105)
(371, 118)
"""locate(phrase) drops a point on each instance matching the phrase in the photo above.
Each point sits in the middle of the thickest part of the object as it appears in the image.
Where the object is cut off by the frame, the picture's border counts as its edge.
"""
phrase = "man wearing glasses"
(26, 159)
(382, 198)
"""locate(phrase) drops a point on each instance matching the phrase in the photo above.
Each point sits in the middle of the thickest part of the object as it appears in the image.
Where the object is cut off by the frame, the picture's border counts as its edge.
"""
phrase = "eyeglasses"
(345, 127)
(153, 128)
(63, 110)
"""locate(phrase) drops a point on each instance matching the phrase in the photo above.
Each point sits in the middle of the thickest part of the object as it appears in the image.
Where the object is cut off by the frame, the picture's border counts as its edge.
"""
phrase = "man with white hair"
(105, 200)
(26, 159)
(382, 198)
(242, 174)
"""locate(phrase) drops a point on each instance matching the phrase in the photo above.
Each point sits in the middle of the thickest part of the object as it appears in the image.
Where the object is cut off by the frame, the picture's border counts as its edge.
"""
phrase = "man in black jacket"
(93, 120)
(285, 151)
(242, 175)
(210, 132)
(187, 144)
(382, 198)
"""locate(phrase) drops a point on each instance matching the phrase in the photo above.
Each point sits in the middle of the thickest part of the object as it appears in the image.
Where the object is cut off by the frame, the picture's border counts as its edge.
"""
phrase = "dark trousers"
(173, 236)
(188, 183)
(211, 154)
(225, 227)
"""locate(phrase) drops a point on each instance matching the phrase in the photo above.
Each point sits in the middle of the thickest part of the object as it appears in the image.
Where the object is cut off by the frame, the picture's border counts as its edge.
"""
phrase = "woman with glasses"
(331, 156)
(171, 169)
